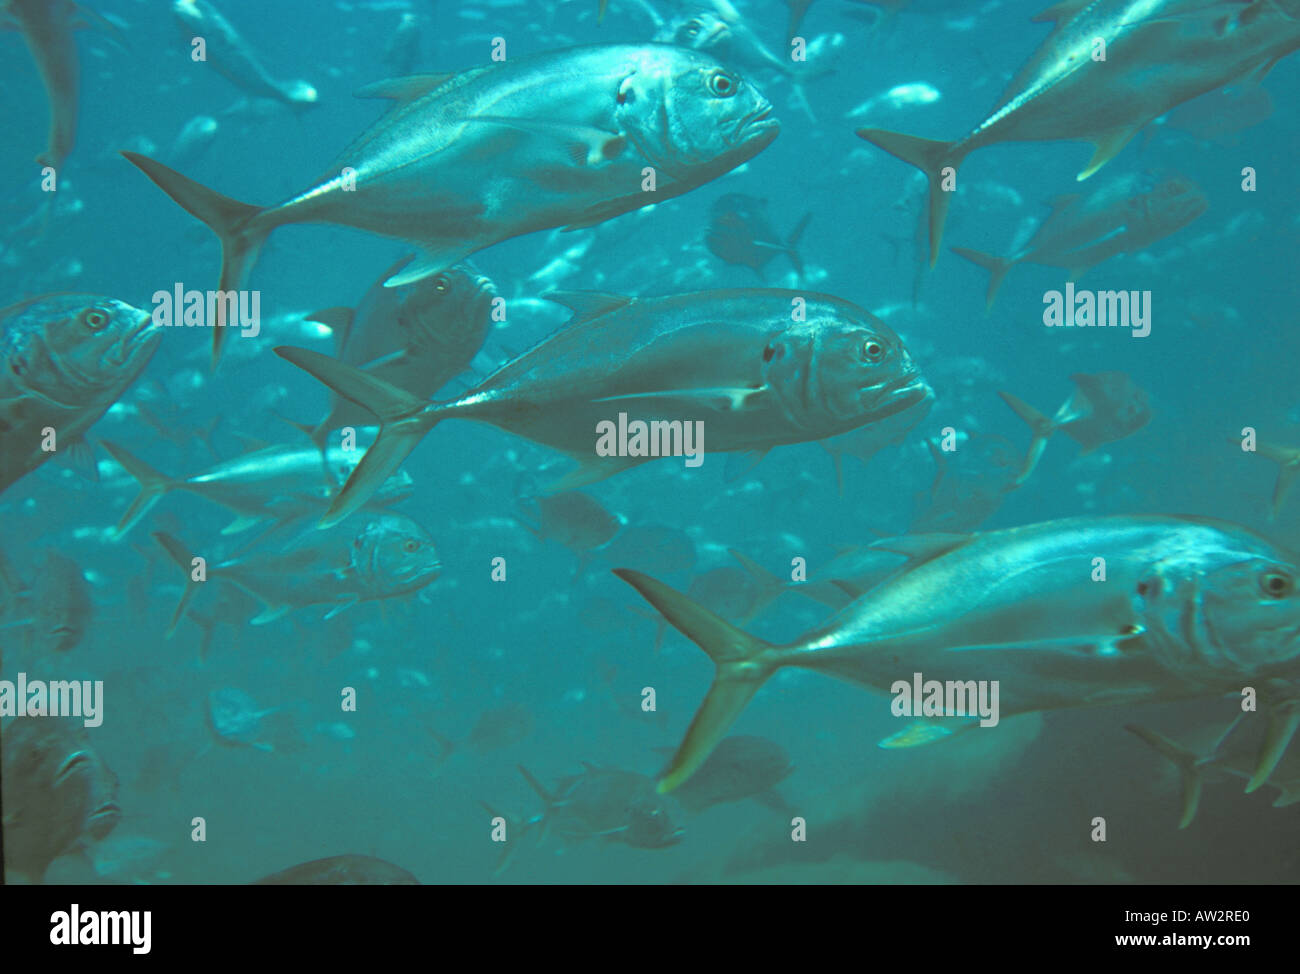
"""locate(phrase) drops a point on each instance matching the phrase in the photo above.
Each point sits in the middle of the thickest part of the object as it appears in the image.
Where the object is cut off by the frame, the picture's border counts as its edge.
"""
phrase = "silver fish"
(63, 361)
(1159, 53)
(1081, 232)
(732, 360)
(1190, 607)
(234, 718)
(379, 556)
(1104, 407)
(463, 161)
(609, 804)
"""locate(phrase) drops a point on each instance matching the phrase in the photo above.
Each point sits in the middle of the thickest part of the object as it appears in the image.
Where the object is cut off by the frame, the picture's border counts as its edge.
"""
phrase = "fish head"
(691, 117)
(841, 368)
(650, 824)
(1227, 612)
(458, 294)
(78, 346)
(701, 31)
(1174, 203)
(393, 554)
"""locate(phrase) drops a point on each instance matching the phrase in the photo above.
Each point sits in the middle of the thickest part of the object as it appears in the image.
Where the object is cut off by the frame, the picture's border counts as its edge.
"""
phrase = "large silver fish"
(1121, 218)
(732, 360)
(463, 161)
(63, 361)
(1158, 54)
(1189, 607)
(378, 557)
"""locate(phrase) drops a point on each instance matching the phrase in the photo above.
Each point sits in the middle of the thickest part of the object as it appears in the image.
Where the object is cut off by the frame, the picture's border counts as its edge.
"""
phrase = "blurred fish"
(496, 729)
(1254, 746)
(1191, 607)
(280, 484)
(235, 719)
(740, 233)
(653, 548)
(1220, 116)
(899, 96)
(1288, 460)
(349, 870)
(1123, 217)
(232, 57)
(63, 361)
(57, 793)
(464, 161)
(403, 48)
(193, 141)
(740, 767)
(1103, 408)
(574, 519)
(970, 484)
(416, 337)
(732, 360)
(1159, 53)
(605, 803)
(61, 606)
(380, 556)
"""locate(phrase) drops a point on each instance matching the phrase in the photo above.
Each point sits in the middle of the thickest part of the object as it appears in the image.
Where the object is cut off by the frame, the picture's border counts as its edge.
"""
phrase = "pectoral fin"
(1282, 725)
(583, 144)
(1108, 146)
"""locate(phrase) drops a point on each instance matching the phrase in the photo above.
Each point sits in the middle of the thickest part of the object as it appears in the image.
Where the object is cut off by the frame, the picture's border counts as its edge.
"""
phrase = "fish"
(1288, 460)
(64, 360)
(348, 870)
(740, 233)
(277, 483)
(403, 48)
(741, 766)
(232, 57)
(417, 337)
(866, 442)
(970, 484)
(1220, 116)
(654, 547)
(58, 794)
(497, 728)
(1082, 232)
(574, 519)
(606, 803)
(1191, 607)
(61, 604)
(1158, 54)
(463, 161)
(1254, 746)
(1104, 407)
(734, 361)
(47, 27)
(192, 141)
(380, 556)
(235, 719)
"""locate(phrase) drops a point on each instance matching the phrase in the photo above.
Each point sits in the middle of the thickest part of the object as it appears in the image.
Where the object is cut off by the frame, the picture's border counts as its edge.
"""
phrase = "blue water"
(1013, 807)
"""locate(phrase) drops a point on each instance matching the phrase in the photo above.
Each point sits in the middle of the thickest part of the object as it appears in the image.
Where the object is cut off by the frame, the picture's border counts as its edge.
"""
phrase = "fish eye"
(873, 351)
(1276, 584)
(722, 84)
(692, 28)
(410, 546)
(94, 319)
(768, 353)
(442, 283)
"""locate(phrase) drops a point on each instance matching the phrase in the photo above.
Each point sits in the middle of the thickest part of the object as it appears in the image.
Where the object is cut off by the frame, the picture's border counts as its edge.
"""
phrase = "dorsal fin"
(404, 89)
(589, 304)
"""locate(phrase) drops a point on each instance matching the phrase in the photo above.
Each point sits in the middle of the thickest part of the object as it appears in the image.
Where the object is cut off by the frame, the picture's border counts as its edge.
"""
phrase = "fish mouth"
(757, 123)
(902, 393)
(130, 342)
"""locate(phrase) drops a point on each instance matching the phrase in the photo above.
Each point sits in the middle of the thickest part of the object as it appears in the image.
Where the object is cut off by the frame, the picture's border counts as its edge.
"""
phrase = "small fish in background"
(402, 52)
(496, 729)
(64, 360)
(1288, 460)
(62, 610)
(574, 519)
(192, 141)
(1122, 217)
(740, 233)
(1254, 746)
(907, 95)
(58, 794)
(235, 719)
(970, 484)
(1103, 408)
(375, 557)
(606, 803)
(347, 870)
(740, 767)
(667, 549)
(232, 57)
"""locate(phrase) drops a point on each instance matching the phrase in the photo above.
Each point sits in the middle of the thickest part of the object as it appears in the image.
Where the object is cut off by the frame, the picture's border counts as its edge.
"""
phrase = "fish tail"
(742, 667)
(404, 420)
(153, 484)
(1282, 725)
(182, 556)
(792, 244)
(996, 266)
(1289, 468)
(931, 157)
(1041, 427)
(1184, 761)
(235, 224)
(547, 798)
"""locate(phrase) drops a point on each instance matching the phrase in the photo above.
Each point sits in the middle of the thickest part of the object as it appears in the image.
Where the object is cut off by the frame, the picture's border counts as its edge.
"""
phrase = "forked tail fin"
(931, 157)
(741, 669)
(1184, 761)
(184, 560)
(153, 484)
(996, 266)
(1041, 426)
